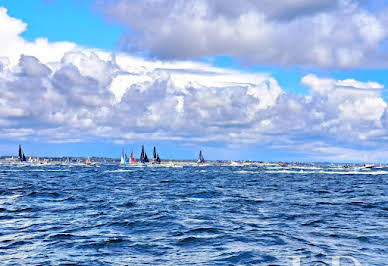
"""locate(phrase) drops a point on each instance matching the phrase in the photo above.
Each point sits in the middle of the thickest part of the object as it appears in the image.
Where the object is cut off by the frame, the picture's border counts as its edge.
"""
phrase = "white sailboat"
(124, 159)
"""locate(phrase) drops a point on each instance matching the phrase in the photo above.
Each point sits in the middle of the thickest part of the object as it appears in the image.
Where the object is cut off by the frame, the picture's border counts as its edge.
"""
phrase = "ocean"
(186, 214)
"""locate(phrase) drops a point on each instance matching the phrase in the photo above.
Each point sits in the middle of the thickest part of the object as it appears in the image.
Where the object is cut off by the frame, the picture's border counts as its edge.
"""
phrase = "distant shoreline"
(117, 160)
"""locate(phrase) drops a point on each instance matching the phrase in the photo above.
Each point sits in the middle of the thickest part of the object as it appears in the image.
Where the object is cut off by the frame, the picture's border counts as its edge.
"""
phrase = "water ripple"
(212, 215)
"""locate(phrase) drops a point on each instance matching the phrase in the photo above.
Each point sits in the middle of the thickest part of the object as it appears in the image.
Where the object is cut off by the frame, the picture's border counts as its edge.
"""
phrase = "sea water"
(207, 215)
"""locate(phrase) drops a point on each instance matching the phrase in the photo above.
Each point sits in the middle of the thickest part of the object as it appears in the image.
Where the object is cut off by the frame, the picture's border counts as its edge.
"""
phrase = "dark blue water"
(192, 215)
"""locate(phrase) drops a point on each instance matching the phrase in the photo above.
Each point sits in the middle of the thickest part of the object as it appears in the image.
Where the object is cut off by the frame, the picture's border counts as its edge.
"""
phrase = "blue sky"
(61, 20)
(123, 30)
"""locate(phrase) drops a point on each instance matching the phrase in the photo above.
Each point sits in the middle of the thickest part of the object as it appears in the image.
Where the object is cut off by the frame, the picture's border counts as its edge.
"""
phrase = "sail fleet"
(124, 159)
(22, 160)
(144, 157)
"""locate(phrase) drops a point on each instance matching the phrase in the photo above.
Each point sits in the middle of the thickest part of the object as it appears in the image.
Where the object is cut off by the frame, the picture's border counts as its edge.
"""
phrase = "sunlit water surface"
(210, 215)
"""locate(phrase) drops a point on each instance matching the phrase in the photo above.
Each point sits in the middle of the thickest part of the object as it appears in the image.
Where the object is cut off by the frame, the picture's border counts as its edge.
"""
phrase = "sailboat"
(143, 155)
(156, 158)
(124, 159)
(132, 159)
(201, 160)
(21, 157)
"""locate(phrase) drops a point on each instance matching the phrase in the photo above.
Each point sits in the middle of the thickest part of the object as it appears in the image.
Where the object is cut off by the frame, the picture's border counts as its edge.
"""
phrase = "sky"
(287, 80)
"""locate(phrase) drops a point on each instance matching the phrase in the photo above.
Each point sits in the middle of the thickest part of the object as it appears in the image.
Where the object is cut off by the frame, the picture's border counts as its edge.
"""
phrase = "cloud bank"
(323, 33)
(61, 92)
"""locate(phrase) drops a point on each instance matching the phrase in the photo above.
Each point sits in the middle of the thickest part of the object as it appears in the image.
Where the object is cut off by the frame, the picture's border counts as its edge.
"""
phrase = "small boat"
(143, 155)
(156, 158)
(124, 159)
(132, 159)
(88, 161)
(369, 166)
(201, 160)
(21, 156)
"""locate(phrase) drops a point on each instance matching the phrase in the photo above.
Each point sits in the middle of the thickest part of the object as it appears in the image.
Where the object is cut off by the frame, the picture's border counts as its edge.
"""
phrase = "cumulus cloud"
(328, 33)
(80, 94)
(12, 45)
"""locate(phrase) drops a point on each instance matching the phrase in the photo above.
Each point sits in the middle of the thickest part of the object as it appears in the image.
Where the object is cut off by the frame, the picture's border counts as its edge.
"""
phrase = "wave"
(328, 172)
(165, 216)
(120, 171)
(37, 170)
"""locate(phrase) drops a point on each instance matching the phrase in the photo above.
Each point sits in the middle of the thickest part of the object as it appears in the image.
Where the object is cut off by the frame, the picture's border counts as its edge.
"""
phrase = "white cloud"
(363, 109)
(12, 45)
(355, 101)
(84, 94)
(329, 33)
